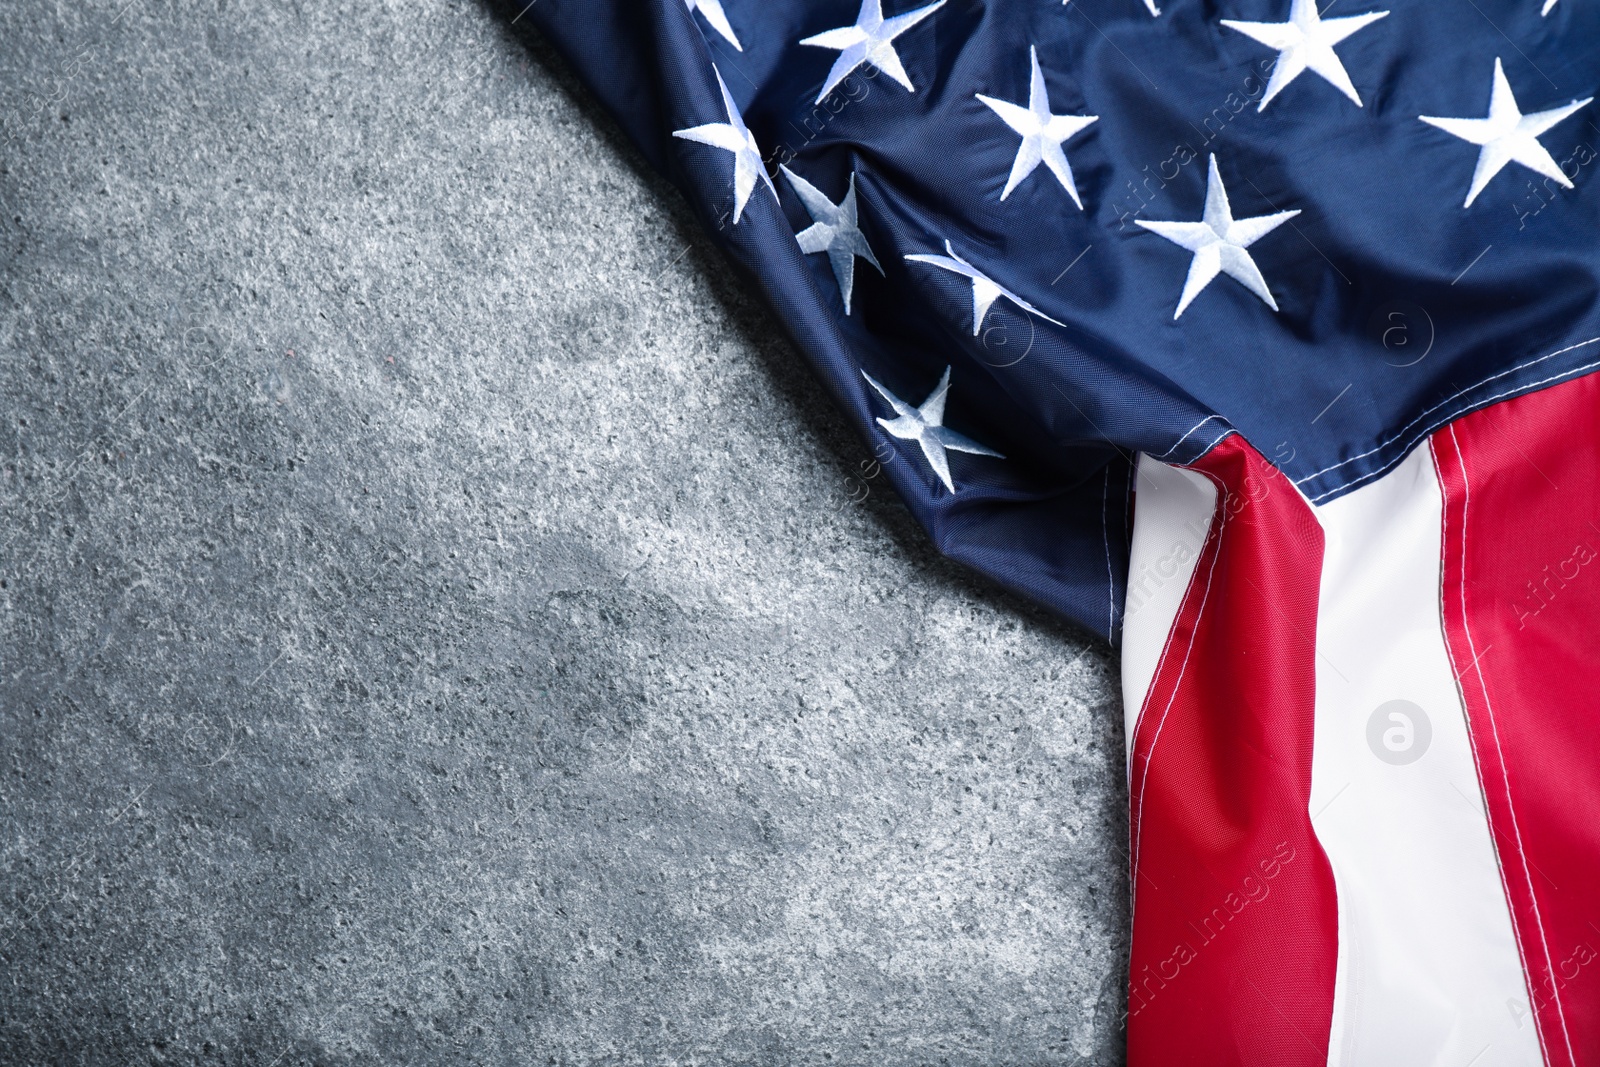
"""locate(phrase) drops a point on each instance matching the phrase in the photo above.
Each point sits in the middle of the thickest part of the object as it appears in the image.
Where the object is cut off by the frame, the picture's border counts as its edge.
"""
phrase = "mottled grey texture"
(435, 622)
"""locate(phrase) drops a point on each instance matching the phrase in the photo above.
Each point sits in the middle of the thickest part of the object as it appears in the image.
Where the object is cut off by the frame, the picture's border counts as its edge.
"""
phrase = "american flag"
(1255, 336)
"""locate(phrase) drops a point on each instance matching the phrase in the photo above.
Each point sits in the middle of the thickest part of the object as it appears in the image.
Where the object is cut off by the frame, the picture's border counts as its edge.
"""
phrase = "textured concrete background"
(439, 622)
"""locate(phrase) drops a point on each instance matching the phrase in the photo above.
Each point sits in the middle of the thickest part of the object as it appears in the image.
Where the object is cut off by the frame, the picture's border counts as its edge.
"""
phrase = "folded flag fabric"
(1257, 336)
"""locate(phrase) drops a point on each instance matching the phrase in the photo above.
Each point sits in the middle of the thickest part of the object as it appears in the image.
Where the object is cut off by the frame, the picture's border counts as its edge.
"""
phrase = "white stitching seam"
(1477, 667)
(1221, 437)
(1166, 644)
(1398, 434)
(1185, 437)
(1176, 685)
(1472, 741)
(1520, 390)
(1111, 580)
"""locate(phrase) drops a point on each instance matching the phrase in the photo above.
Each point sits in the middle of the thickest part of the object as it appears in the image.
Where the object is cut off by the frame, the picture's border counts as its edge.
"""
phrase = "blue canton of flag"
(1131, 229)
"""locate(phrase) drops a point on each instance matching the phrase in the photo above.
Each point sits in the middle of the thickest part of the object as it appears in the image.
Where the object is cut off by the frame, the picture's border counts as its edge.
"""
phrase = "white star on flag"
(1218, 242)
(1042, 133)
(985, 290)
(733, 136)
(1151, 4)
(712, 10)
(1508, 136)
(924, 424)
(870, 40)
(1305, 43)
(835, 230)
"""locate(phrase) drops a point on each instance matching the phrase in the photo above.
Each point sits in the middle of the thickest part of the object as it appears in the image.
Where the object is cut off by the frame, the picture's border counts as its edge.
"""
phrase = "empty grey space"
(443, 621)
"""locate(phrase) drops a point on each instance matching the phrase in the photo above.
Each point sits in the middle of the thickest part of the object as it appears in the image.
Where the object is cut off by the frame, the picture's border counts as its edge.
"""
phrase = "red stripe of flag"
(1235, 925)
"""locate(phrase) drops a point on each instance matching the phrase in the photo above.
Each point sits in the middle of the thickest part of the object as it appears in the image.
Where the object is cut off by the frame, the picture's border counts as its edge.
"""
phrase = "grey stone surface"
(440, 621)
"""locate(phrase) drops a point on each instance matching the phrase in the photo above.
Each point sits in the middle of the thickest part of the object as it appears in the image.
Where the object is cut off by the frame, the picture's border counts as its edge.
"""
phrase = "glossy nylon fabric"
(1521, 603)
(1235, 911)
(1490, 301)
